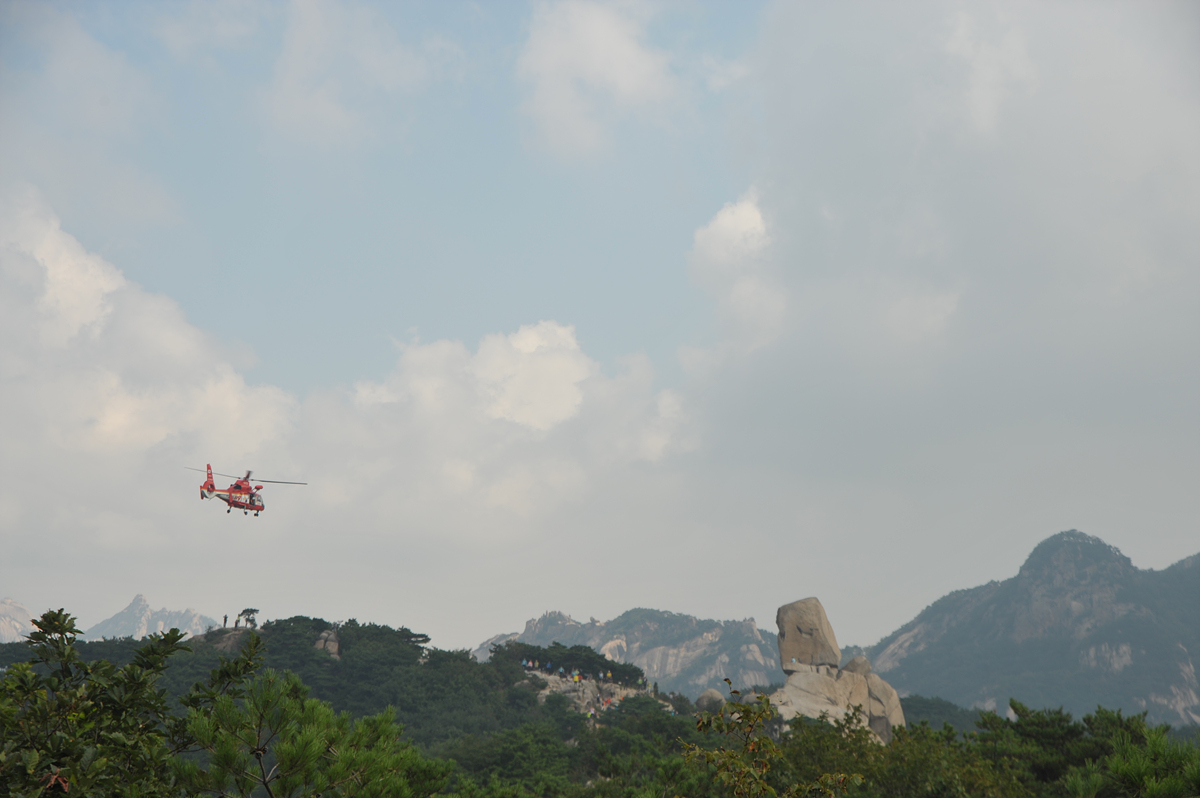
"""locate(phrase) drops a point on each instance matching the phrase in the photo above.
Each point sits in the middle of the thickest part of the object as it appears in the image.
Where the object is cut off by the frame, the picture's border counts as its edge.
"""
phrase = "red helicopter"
(240, 494)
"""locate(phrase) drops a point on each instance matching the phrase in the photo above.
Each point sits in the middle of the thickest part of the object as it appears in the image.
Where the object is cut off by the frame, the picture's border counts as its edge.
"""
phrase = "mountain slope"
(1079, 625)
(138, 620)
(15, 621)
(681, 653)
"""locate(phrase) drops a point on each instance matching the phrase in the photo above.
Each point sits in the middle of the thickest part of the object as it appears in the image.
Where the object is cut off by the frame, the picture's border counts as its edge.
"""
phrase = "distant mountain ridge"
(15, 621)
(138, 620)
(1079, 625)
(684, 654)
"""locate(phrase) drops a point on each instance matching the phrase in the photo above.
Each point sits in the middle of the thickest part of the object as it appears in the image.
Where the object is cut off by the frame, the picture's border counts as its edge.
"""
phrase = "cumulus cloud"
(729, 260)
(523, 423)
(106, 366)
(532, 376)
(586, 64)
(107, 386)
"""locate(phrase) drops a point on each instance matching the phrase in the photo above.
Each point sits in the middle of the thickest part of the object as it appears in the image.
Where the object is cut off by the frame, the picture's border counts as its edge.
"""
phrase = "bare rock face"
(328, 642)
(859, 664)
(15, 621)
(805, 636)
(884, 712)
(710, 700)
(815, 685)
(681, 653)
(138, 620)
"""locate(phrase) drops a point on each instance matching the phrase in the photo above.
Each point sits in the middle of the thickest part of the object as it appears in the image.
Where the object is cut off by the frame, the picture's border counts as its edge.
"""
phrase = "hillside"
(682, 653)
(1079, 625)
(439, 696)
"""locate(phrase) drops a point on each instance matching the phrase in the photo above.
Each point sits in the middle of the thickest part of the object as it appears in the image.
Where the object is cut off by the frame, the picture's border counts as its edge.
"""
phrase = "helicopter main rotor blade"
(280, 482)
(215, 473)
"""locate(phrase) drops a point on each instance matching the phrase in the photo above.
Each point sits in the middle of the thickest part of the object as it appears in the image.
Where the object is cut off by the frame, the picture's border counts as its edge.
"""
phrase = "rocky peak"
(1072, 558)
(680, 652)
(1079, 625)
(1069, 583)
(15, 621)
(137, 621)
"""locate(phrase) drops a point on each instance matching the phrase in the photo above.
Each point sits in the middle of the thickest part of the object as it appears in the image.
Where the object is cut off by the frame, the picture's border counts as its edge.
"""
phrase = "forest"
(264, 712)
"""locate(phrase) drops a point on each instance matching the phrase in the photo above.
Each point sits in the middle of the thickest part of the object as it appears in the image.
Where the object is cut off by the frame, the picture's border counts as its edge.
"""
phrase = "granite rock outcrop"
(816, 686)
(15, 621)
(138, 620)
(1078, 625)
(681, 653)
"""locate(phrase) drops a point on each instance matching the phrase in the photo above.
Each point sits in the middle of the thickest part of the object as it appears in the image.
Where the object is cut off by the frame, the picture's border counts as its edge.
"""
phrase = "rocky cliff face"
(1079, 625)
(138, 620)
(816, 686)
(682, 653)
(15, 621)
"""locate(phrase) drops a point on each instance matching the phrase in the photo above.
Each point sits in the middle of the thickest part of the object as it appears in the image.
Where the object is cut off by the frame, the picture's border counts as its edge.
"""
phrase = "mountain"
(15, 621)
(684, 654)
(1079, 625)
(138, 620)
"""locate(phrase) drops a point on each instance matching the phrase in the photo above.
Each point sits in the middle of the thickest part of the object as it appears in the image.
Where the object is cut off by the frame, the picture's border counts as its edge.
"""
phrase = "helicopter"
(241, 494)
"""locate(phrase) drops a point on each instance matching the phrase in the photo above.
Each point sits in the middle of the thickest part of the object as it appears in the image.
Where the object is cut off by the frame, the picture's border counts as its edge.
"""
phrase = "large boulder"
(859, 664)
(805, 636)
(710, 700)
(816, 687)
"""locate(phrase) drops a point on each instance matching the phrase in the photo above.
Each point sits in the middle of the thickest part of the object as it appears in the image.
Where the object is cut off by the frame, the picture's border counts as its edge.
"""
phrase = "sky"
(587, 306)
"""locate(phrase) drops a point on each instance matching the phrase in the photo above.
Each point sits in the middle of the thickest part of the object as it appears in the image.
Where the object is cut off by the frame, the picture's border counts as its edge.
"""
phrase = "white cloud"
(729, 260)
(103, 380)
(532, 377)
(77, 283)
(587, 64)
(524, 423)
(106, 366)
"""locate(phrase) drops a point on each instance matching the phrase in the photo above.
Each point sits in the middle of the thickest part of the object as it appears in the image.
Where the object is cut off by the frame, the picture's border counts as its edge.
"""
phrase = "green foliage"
(1155, 767)
(937, 712)
(922, 761)
(1042, 747)
(584, 659)
(275, 737)
(118, 717)
(94, 727)
(744, 762)
(87, 728)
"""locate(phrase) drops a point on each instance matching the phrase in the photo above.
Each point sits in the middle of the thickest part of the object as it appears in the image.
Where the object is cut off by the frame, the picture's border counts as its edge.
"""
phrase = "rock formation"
(805, 636)
(681, 653)
(15, 621)
(587, 695)
(328, 642)
(1078, 625)
(710, 701)
(809, 654)
(138, 620)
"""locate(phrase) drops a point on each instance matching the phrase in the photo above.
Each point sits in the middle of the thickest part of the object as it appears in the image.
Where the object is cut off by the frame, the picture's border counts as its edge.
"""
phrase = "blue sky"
(583, 306)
